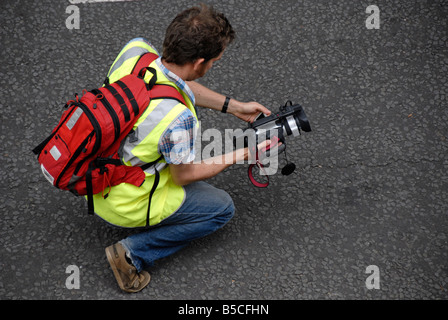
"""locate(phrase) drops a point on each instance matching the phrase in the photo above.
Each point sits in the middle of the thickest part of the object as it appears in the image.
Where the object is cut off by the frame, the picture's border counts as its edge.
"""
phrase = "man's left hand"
(247, 111)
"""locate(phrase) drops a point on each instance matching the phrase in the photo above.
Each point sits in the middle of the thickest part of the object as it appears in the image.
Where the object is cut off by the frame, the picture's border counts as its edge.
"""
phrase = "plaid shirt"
(178, 81)
(177, 143)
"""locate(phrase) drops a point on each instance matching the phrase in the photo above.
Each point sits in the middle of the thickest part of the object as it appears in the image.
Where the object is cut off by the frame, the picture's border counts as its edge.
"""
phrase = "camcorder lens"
(291, 126)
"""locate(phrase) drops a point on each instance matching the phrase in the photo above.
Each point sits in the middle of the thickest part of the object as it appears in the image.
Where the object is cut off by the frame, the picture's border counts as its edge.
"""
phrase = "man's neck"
(182, 72)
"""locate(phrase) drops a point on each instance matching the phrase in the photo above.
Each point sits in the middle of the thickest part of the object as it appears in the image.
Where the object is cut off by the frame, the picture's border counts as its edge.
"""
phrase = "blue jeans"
(205, 210)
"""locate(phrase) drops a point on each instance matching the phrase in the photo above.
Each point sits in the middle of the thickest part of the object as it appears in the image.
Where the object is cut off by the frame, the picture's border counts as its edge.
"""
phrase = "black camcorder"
(289, 120)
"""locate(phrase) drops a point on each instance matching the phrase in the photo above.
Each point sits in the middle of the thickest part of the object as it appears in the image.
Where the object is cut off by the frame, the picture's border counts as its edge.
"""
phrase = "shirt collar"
(177, 80)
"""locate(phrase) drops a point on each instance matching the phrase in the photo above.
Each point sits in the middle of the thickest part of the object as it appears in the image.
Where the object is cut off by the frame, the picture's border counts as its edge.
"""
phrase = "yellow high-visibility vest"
(126, 204)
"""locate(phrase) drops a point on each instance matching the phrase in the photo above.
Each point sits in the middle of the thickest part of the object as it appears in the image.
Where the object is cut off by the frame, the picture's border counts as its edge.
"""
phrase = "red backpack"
(80, 155)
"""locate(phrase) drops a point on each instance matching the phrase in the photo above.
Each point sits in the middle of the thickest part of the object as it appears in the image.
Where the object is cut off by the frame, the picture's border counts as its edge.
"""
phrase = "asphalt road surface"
(365, 215)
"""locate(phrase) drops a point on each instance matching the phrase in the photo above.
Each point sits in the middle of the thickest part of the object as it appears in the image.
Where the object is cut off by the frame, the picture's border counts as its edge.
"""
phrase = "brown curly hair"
(198, 32)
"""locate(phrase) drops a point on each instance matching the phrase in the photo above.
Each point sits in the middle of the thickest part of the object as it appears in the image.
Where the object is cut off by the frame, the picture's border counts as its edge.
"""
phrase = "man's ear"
(197, 65)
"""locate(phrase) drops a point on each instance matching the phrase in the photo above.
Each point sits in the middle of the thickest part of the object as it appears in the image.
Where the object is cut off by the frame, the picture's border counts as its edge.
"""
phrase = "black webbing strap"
(123, 106)
(149, 165)
(153, 189)
(154, 186)
(89, 188)
(153, 80)
(130, 96)
(101, 162)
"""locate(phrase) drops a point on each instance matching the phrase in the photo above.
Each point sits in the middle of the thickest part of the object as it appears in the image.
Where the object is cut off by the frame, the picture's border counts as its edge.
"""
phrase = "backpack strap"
(156, 91)
(144, 61)
(164, 91)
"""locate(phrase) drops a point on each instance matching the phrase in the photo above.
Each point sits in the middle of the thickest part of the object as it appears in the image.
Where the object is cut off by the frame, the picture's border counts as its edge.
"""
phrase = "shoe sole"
(114, 268)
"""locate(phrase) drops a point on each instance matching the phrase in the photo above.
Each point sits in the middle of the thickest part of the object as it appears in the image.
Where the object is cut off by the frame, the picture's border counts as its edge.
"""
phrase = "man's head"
(197, 34)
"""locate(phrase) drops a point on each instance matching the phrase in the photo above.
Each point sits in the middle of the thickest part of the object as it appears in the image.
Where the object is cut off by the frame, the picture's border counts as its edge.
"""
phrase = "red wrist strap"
(274, 142)
(251, 176)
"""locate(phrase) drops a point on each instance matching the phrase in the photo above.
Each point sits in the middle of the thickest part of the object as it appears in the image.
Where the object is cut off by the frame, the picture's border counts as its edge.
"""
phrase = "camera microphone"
(288, 169)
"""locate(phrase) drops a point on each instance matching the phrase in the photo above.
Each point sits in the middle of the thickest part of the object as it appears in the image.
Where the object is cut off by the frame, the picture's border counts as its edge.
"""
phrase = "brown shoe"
(128, 278)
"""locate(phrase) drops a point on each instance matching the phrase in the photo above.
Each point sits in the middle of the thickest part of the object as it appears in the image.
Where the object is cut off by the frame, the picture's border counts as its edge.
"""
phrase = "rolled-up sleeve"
(177, 144)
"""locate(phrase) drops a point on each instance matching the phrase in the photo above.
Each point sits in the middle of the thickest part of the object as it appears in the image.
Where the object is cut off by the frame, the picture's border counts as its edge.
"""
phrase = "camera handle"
(283, 108)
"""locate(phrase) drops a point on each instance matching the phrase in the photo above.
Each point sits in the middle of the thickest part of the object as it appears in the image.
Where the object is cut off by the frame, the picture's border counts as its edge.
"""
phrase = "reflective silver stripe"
(160, 166)
(47, 174)
(74, 118)
(145, 128)
(55, 153)
(128, 54)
